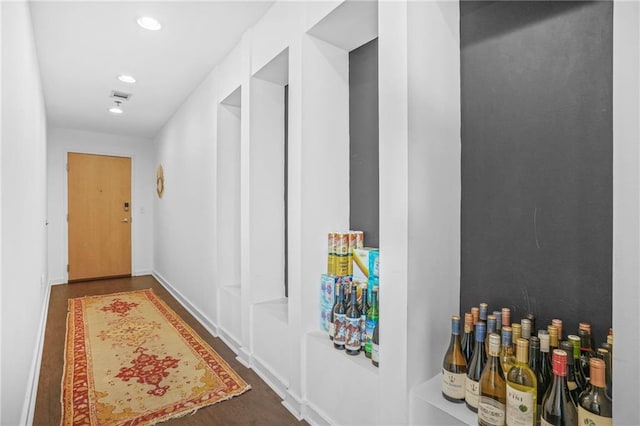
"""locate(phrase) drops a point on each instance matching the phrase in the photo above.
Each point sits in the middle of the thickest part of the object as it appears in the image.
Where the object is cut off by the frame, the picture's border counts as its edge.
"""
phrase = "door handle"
(125, 220)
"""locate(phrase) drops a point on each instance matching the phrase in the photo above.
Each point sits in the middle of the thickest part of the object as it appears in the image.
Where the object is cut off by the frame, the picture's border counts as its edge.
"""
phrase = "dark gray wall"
(536, 212)
(363, 145)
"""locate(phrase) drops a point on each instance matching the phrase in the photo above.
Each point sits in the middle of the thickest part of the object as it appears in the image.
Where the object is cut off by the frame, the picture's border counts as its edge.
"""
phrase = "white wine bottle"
(521, 389)
(493, 388)
(454, 366)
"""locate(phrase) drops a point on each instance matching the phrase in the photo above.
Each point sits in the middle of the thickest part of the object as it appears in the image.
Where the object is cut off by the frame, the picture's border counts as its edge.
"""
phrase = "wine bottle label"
(520, 407)
(370, 326)
(588, 418)
(491, 412)
(375, 352)
(352, 341)
(453, 384)
(472, 395)
(340, 329)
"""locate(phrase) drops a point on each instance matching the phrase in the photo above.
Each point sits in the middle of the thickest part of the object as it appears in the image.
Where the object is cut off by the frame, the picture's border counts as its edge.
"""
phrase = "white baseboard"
(142, 272)
(271, 378)
(244, 357)
(229, 340)
(211, 327)
(57, 281)
(315, 416)
(29, 406)
(294, 404)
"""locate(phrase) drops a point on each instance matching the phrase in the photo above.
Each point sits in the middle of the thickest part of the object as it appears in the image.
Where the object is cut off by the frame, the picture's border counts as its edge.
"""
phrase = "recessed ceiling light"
(116, 109)
(126, 78)
(149, 23)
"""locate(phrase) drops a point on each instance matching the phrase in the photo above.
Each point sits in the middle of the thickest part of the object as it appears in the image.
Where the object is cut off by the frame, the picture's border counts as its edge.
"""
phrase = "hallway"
(259, 406)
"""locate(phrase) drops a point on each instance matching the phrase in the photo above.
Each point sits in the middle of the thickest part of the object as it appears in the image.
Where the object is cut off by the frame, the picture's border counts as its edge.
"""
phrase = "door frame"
(65, 188)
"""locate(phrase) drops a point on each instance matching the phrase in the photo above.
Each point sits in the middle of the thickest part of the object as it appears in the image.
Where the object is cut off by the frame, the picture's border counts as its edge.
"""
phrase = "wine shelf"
(428, 396)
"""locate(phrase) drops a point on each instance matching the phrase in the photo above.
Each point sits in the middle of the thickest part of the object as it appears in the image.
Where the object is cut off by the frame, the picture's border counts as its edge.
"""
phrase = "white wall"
(62, 141)
(23, 200)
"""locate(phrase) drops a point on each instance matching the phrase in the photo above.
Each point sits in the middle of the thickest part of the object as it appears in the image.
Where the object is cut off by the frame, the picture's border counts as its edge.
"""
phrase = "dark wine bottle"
(332, 328)
(534, 365)
(454, 366)
(474, 369)
(352, 342)
(557, 407)
(526, 328)
(574, 390)
(364, 307)
(545, 376)
(532, 319)
(339, 324)
(498, 315)
(581, 381)
(586, 349)
(467, 340)
(595, 407)
(375, 345)
(605, 355)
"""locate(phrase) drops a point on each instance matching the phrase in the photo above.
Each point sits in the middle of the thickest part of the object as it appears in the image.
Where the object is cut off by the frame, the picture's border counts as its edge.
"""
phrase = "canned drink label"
(342, 244)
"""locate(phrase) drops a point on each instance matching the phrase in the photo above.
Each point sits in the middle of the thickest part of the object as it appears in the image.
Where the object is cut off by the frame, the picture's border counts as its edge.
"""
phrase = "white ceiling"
(84, 45)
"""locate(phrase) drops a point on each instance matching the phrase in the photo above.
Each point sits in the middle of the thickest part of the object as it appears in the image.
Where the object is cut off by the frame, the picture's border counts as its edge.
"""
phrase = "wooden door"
(99, 193)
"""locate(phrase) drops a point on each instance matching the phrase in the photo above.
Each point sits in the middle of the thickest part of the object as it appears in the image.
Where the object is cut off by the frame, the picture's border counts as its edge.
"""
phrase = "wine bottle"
(534, 365)
(525, 323)
(352, 343)
(581, 381)
(484, 311)
(467, 340)
(574, 390)
(364, 307)
(339, 322)
(595, 407)
(372, 320)
(454, 366)
(516, 333)
(493, 390)
(605, 355)
(491, 328)
(558, 323)
(553, 337)
(521, 389)
(475, 312)
(332, 328)
(507, 358)
(506, 317)
(474, 369)
(498, 315)
(532, 320)
(557, 407)
(586, 350)
(545, 376)
(375, 346)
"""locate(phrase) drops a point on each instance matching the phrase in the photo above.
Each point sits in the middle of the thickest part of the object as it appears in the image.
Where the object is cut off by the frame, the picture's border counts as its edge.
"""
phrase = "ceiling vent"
(121, 96)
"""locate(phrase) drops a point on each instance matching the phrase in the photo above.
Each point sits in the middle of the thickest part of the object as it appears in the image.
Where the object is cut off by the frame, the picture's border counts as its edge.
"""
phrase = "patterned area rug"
(130, 359)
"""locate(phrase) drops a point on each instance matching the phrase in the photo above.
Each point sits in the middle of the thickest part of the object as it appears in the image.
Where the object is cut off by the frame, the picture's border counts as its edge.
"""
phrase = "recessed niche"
(228, 189)
(267, 165)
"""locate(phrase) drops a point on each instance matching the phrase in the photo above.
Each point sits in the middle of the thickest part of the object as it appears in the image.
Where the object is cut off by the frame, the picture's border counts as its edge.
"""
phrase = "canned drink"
(342, 265)
(352, 241)
(359, 236)
(342, 244)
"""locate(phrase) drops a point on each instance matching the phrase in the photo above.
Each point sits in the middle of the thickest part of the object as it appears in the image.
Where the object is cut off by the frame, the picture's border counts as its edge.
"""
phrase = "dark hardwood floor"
(258, 406)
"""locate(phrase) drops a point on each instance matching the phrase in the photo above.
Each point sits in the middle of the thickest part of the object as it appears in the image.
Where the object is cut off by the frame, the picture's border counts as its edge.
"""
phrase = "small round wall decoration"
(160, 181)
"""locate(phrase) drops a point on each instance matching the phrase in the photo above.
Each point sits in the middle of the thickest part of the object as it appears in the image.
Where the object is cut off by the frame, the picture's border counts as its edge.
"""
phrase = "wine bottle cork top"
(526, 328)
(494, 344)
(544, 340)
(559, 362)
(585, 326)
(596, 372)
(484, 307)
(506, 316)
(522, 350)
(553, 335)
(475, 312)
(558, 323)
